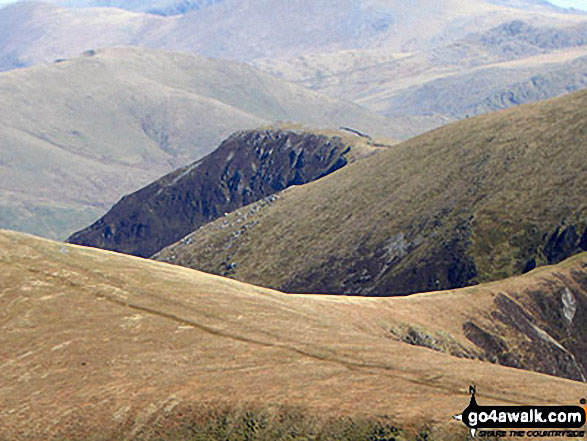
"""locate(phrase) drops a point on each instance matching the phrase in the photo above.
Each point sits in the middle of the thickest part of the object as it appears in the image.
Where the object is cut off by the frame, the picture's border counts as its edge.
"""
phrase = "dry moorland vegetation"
(98, 345)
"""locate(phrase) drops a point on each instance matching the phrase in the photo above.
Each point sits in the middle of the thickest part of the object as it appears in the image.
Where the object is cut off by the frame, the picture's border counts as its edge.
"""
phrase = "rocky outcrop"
(246, 167)
(521, 38)
(490, 89)
(543, 331)
(534, 324)
(551, 246)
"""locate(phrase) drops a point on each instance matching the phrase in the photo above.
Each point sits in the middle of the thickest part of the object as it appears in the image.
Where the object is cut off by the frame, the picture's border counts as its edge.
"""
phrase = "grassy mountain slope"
(245, 168)
(475, 201)
(79, 134)
(98, 345)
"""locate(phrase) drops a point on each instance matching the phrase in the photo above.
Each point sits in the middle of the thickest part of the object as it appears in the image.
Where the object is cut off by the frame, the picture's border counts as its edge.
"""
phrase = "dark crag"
(243, 169)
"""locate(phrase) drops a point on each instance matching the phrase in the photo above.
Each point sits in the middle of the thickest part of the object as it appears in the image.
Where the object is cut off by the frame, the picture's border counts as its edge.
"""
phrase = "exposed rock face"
(538, 326)
(520, 37)
(489, 89)
(564, 242)
(543, 331)
(246, 167)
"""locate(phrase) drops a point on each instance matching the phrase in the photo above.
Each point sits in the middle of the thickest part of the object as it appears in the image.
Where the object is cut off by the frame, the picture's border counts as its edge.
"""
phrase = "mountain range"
(34, 32)
(169, 7)
(80, 133)
(158, 7)
(508, 53)
(281, 243)
(356, 50)
(511, 64)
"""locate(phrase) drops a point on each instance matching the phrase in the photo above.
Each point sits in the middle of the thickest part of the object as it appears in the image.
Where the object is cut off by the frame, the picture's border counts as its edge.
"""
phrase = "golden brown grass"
(98, 345)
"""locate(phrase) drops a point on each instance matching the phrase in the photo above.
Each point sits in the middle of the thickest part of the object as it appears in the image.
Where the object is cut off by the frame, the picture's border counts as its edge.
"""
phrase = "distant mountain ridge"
(115, 120)
(357, 50)
(157, 7)
(176, 7)
(509, 87)
(517, 33)
(532, 4)
(36, 32)
(516, 59)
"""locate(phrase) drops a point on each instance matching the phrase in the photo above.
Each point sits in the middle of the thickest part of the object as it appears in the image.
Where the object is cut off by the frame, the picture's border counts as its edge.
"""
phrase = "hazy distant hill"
(474, 201)
(511, 64)
(489, 89)
(167, 7)
(374, 53)
(245, 168)
(98, 345)
(77, 135)
(32, 32)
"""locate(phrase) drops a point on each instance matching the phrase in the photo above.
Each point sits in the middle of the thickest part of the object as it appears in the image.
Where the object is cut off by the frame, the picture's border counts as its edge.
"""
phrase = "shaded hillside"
(246, 167)
(78, 134)
(103, 346)
(475, 201)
